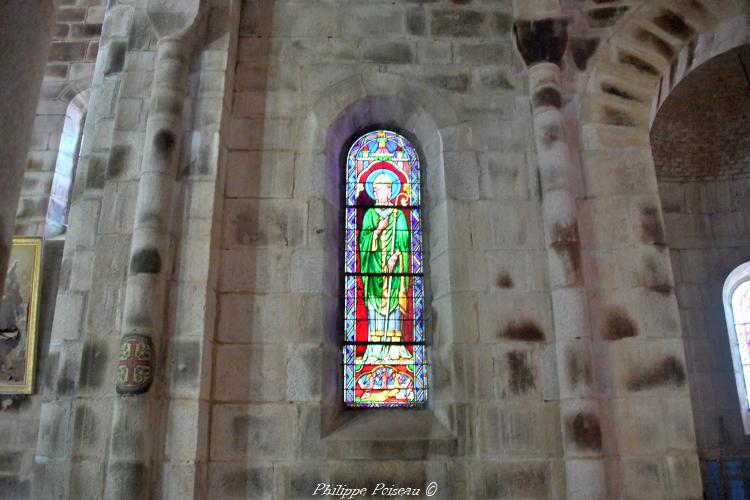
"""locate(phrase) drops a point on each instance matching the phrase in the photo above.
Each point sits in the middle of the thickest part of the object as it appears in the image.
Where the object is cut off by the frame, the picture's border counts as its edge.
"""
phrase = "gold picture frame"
(19, 311)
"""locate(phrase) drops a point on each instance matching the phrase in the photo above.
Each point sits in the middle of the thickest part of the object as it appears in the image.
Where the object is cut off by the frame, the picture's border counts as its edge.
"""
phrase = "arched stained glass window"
(740, 304)
(384, 339)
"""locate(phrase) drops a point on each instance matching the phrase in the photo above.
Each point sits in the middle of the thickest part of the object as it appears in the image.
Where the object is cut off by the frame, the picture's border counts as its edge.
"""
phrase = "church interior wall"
(701, 160)
(246, 399)
(303, 84)
(72, 53)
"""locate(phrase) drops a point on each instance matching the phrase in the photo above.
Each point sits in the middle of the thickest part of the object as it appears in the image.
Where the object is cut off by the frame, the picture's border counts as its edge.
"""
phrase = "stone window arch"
(384, 352)
(736, 299)
(68, 154)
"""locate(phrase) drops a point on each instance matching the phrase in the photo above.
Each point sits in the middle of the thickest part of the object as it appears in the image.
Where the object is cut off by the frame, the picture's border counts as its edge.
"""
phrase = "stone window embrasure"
(736, 297)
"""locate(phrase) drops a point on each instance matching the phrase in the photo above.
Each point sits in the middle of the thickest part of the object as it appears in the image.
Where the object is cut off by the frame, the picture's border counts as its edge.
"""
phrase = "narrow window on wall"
(740, 304)
(384, 345)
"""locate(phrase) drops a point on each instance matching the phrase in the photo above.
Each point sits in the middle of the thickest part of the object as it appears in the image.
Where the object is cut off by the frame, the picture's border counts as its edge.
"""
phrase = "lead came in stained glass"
(741, 314)
(384, 353)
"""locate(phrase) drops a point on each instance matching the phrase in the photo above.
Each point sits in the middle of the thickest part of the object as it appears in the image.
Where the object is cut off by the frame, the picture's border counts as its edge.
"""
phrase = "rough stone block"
(515, 432)
(457, 23)
(256, 318)
(503, 175)
(262, 431)
(267, 174)
(304, 370)
(229, 480)
(54, 420)
(528, 479)
(254, 270)
(260, 223)
(250, 373)
(462, 176)
(254, 134)
(67, 324)
(313, 271)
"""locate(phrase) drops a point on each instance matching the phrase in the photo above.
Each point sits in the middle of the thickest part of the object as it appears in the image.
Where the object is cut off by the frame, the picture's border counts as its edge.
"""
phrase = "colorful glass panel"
(741, 314)
(384, 353)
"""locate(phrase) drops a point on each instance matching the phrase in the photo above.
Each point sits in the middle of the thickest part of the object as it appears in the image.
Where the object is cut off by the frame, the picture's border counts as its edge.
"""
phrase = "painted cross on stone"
(134, 367)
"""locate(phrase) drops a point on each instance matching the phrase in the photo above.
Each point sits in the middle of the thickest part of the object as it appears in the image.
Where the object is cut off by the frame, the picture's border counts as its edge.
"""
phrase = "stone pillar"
(542, 44)
(130, 469)
(25, 29)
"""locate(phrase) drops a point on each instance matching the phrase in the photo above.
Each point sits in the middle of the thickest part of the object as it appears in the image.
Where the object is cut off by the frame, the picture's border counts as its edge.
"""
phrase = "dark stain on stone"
(586, 431)
(14, 487)
(456, 83)
(618, 117)
(659, 44)
(146, 261)
(652, 230)
(668, 371)
(65, 384)
(579, 371)
(617, 91)
(389, 53)
(548, 96)
(131, 479)
(505, 280)
(655, 276)
(551, 134)
(495, 79)
(542, 40)
(606, 16)
(168, 103)
(516, 480)
(522, 378)
(85, 425)
(239, 481)
(673, 23)
(583, 49)
(566, 243)
(415, 21)
(116, 58)
(618, 325)
(93, 363)
(164, 143)
(526, 330)
(638, 63)
(95, 172)
(457, 23)
(150, 219)
(117, 158)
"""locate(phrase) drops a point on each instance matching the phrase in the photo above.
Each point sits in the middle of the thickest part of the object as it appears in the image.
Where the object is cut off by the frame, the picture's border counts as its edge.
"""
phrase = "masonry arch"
(653, 48)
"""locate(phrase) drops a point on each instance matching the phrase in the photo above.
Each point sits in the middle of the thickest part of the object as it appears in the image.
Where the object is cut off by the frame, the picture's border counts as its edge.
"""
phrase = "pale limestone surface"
(552, 374)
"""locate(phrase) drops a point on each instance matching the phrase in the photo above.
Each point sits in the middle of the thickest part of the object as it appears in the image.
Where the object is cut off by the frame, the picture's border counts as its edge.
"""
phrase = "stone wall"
(77, 415)
(708, 236)
(67, 78)
(701, 156)
(308, 76)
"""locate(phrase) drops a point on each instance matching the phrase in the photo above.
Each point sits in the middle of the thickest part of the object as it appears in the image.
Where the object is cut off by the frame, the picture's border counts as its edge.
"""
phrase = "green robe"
(372, 261)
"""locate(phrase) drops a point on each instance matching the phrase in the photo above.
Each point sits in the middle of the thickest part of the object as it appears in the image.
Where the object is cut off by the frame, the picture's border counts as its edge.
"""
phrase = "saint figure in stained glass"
(384, 256)
(384, 351)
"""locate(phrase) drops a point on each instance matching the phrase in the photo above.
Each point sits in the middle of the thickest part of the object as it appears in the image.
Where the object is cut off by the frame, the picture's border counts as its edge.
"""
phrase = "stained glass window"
(741, 315)
(384, 354)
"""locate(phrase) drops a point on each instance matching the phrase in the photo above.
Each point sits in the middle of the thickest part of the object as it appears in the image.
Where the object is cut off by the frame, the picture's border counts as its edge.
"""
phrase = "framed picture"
(18, 316)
